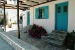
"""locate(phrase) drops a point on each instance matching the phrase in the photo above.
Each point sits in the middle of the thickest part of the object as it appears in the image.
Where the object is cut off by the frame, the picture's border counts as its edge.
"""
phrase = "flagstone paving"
(35, 42)
(4, 45)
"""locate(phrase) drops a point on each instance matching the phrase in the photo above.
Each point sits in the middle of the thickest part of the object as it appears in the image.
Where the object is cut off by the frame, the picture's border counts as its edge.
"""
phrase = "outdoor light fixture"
(14, 2)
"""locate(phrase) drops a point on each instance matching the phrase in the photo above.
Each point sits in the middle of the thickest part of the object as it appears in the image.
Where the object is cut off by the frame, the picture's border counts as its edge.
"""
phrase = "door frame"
(55, 13)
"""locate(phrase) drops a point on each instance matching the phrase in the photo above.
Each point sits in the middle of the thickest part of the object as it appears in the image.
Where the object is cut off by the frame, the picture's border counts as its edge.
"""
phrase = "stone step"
(58, 31)
(45, 38)
(55, 38)
(51, 40)
(54, 42)
(59, 36)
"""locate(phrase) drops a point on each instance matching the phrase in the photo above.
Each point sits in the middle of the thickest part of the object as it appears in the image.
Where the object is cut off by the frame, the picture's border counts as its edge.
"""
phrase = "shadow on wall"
(21, 20)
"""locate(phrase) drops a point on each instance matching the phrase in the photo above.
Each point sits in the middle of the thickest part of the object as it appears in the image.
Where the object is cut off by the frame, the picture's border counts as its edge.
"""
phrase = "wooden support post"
(4, 17)
(18, 19)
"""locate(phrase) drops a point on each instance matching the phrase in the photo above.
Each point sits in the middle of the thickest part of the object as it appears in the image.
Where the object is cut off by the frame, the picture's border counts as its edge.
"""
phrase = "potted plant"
(9, 25)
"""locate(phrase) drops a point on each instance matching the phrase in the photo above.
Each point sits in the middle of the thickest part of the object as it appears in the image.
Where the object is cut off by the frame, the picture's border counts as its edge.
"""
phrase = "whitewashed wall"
(71, 24)
(49, 24)
(25, 18)
(12, 13)
(32, 15)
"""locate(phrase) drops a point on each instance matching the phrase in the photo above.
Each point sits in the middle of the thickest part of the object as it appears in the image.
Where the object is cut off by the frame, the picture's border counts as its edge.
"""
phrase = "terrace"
(33, 25)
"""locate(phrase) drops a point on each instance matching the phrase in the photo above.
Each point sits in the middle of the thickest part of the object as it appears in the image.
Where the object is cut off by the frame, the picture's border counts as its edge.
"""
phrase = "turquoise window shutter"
(46, 12)
(36, 13)
(28, 18)
(28, 13)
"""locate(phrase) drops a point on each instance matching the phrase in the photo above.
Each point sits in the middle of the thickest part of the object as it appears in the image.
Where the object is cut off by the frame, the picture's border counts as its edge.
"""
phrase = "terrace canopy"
(22, 5)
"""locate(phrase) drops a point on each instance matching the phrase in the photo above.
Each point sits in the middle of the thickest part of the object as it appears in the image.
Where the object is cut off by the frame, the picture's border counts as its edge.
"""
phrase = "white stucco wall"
(71, 24)
(31, 15)
(49, 24)
(12, 13)
(25, 18)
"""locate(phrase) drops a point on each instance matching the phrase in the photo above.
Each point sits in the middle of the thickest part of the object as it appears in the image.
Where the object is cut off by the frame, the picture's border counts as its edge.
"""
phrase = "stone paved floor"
(4, 45)
(35, 42)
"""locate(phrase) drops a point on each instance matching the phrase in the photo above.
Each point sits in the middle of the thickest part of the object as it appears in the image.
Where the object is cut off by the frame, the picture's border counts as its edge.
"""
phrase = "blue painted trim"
(45, 12)
(63, 28)
(36, 13)
(28, 18)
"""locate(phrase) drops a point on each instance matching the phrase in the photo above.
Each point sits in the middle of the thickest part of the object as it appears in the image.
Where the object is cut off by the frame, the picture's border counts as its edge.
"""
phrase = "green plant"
(71, 40)
(3, 21)
(37, 31)
(14, 23)
(6, 21)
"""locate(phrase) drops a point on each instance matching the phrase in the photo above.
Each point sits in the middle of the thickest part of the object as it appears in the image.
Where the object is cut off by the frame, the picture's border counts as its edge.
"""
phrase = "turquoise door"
(28, 18)
(61, 19)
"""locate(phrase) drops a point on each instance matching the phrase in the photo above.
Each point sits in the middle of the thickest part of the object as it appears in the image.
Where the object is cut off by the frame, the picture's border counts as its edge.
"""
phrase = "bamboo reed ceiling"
(24, 4)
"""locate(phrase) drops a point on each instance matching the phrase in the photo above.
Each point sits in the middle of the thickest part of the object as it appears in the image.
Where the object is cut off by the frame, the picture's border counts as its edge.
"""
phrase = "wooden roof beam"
(32, 1)
(26, 5)
(44, 2)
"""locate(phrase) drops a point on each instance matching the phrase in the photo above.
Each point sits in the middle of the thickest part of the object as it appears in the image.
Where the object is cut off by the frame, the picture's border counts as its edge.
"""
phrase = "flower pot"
(9, 26)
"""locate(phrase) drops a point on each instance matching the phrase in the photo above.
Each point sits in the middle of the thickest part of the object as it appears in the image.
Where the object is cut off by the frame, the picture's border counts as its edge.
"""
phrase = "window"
(59, 9)
(65, 8)
(42, 12)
